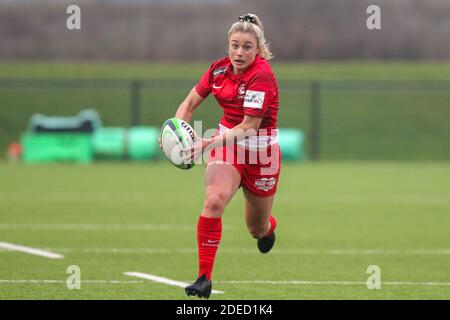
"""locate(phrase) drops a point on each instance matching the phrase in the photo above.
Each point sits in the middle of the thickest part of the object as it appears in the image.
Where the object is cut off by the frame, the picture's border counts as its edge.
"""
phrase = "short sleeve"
(259, 94)
(203, 87)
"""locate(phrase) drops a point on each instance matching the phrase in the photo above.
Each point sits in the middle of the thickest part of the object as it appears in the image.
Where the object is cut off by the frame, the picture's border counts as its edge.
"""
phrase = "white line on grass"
(302, 282)
(398, 199)
(338, 252)
(167, 281)
(29, 250)
(95, 227)
(42, 281)
(241, 282)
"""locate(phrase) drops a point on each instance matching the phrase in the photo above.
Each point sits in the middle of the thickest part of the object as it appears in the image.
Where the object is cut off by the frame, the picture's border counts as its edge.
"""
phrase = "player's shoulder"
(262, 70)
(263, 64)
(219, 66)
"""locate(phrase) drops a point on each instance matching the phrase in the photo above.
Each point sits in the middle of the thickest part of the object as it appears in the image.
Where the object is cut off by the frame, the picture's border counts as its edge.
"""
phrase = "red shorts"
(259, 169)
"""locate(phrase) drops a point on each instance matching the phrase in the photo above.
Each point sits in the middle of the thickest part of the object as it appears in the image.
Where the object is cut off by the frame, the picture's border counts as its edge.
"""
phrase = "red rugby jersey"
(253, 92)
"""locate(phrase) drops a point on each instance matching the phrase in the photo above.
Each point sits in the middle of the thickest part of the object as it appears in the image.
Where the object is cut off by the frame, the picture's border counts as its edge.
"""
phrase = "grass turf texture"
(87, 211)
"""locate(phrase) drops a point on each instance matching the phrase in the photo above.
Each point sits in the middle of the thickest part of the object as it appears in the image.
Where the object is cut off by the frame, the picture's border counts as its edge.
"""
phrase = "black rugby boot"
(201, 287)
(266, 243)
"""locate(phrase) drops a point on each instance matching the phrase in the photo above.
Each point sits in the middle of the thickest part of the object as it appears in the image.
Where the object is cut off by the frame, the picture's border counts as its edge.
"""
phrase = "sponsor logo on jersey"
(254, 99)
(241, 89)
(216, 72)
(265, 184)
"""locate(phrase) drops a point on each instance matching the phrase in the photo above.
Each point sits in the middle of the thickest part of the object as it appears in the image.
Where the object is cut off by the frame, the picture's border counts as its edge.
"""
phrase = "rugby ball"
(177, 134)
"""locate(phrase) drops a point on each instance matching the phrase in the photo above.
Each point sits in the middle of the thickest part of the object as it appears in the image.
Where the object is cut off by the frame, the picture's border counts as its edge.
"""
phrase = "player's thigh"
(221, 181)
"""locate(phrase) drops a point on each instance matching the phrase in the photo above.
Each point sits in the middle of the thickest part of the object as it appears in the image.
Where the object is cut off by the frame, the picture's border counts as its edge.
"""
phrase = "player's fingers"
(186, 154)
(196, 137)
(160, 143)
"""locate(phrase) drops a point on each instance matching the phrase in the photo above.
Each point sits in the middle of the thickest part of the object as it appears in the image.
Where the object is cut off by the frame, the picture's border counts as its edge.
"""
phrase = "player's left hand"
(192, 153)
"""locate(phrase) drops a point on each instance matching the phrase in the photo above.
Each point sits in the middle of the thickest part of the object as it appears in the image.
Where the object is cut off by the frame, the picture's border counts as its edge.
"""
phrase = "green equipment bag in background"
(292, 144)
(143, 143)
(136, 143)
(56, 147)
(109, 143)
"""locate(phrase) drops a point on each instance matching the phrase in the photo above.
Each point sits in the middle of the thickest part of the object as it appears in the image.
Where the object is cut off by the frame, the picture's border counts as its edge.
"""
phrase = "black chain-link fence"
(342, 120)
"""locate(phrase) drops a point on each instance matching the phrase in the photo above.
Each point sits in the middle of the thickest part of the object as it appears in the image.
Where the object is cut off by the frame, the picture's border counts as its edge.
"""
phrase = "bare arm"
(248, 126)
(187, 107)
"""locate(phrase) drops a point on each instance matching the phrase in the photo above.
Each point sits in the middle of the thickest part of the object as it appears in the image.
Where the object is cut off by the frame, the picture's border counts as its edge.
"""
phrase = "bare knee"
(214, 205)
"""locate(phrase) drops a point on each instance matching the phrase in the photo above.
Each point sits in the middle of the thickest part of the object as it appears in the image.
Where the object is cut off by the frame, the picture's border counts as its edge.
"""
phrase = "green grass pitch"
(335, 220)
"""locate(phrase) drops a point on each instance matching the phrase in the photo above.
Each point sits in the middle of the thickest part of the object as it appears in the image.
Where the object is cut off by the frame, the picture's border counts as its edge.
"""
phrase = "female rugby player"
(244, 152)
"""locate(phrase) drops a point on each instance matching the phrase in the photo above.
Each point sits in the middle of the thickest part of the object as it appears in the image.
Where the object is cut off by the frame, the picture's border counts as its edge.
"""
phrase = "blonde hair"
(251, 23)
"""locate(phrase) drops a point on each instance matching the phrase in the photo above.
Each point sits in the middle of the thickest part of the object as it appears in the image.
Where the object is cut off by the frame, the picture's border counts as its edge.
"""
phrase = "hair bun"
(248, 18)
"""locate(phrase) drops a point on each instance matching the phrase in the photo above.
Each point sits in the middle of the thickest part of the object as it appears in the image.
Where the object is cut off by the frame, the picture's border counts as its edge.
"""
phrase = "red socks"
(273, 225)
(209, 232)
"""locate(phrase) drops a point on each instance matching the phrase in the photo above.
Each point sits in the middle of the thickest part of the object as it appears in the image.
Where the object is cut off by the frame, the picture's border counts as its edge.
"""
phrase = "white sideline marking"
(65, 281)
(338, 252)
(397, 199)
(94, 227)
(33, 251)
(243, 282)
(162, 280)
(389, 283)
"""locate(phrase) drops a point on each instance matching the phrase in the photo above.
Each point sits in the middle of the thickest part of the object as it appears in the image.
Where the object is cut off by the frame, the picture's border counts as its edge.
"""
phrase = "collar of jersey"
(240, 75)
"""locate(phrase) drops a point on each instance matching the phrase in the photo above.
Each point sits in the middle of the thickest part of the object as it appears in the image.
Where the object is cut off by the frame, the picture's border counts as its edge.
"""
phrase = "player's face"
(243, 49)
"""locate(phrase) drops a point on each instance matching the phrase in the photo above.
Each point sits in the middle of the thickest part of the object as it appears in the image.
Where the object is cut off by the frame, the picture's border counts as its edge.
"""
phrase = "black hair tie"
(247, 18)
